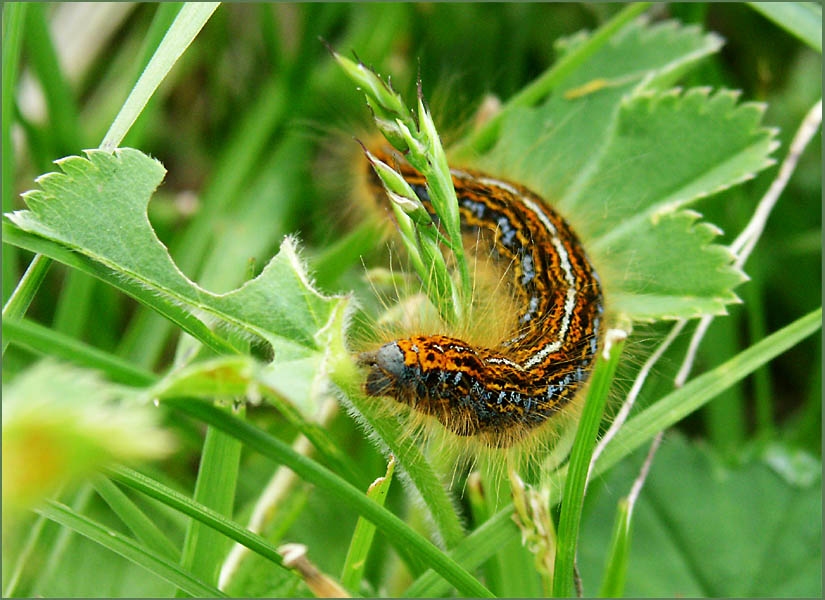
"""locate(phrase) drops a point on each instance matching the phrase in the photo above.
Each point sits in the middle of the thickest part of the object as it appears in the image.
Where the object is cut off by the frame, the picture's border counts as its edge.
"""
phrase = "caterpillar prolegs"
(499, 393)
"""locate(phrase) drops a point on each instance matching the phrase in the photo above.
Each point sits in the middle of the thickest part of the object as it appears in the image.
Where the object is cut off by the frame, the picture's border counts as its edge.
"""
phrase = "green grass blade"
(579, 465)
(56, 543)
(37, 142)
(171, 311)
(49, 342)
(19, 301)
(138, 523)
(143, 341)
(520, 578)
(233, 376)
(487, 539)
(356, 560)
(63, 123)
(541, 86)
(678, 404)
(191, 18)
(481, 512)
(26, 288)
(329, 451)
(394, 528)
(14, 580)
(75, 304)
(801, 19)
(162, 20)
(725, 418)
(179, 502)
(204, 548)
(165, 14)
(617, 557)
(117, 542)
(754, 295)
(14, 16)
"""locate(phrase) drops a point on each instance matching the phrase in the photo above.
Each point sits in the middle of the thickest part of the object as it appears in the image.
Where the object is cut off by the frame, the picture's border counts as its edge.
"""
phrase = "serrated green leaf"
(683, 274)
(97, 206)
(668, 150)
(618, 158)
(539, 88)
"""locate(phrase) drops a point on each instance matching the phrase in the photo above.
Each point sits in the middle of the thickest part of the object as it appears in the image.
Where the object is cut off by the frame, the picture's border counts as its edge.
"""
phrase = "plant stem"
(27, 287)
(49, 342)
(574, 485)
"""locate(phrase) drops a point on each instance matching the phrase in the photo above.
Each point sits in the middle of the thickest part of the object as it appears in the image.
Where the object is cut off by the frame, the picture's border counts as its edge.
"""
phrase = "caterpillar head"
(429, 374)
(386, 370)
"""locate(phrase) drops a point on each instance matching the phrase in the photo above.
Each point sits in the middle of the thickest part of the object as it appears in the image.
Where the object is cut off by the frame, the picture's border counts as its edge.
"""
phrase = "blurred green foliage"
(252, 125)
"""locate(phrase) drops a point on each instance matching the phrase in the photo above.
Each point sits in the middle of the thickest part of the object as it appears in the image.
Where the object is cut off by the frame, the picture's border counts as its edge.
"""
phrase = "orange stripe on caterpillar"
(499, 393)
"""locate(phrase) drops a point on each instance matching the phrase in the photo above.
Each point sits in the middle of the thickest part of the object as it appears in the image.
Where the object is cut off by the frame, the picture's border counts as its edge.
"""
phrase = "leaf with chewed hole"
(97, 206)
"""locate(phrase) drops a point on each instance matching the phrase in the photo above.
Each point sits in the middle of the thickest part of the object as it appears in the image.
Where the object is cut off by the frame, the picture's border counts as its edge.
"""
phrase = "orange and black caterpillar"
(500, 393)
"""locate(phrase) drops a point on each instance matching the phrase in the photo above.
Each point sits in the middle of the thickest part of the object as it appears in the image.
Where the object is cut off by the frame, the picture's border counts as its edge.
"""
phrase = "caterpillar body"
(502, 392)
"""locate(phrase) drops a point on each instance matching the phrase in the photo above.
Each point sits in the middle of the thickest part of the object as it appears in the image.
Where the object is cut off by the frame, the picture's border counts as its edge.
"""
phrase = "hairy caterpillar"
(499, 393)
